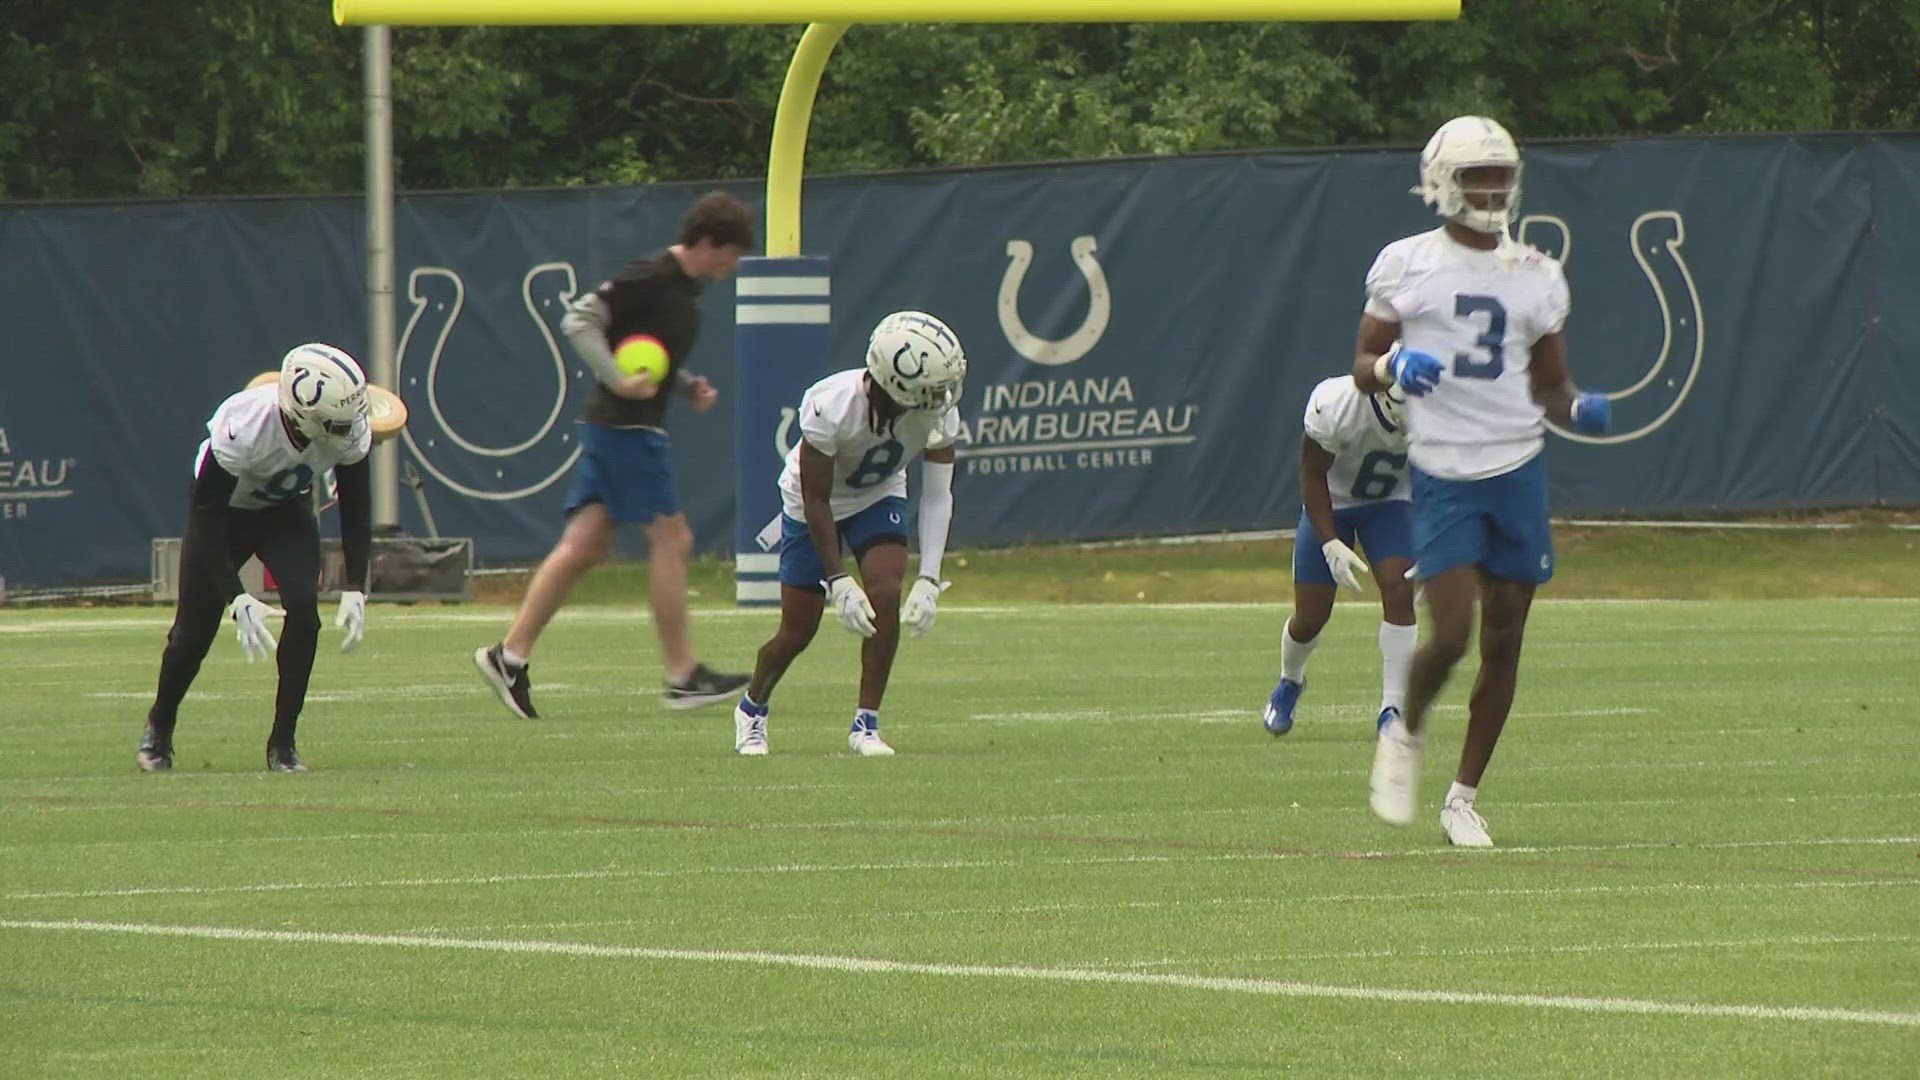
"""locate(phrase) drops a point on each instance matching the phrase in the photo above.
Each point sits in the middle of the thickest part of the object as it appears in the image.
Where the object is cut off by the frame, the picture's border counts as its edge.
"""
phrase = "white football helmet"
(1467, 142)
(323, 391)
(917, 360)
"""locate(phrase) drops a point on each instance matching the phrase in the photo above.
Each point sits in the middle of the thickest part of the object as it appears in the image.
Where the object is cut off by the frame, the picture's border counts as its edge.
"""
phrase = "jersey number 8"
(881, 462)
(285, 485)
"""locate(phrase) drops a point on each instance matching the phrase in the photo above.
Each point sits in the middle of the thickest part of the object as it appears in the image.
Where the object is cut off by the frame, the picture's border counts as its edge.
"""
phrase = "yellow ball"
(642, 352)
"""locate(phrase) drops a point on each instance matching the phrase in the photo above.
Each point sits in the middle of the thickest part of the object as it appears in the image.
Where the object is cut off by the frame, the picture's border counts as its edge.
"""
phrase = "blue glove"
(1592, 414)
(1416, 372)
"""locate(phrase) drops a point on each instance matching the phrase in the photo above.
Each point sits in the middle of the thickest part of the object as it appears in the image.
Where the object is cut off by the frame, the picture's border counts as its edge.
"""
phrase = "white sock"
(512, 658)
(1294, 654)
(1396, 659)
(1460, 791)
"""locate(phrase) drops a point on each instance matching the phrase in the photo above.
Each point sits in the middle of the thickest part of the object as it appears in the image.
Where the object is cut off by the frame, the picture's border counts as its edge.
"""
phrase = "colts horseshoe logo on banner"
(451, 411)
(1655, 239)
(1075, 345)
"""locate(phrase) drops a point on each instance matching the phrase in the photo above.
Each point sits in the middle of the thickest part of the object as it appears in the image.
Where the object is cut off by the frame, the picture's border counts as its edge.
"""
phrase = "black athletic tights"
(287, 540)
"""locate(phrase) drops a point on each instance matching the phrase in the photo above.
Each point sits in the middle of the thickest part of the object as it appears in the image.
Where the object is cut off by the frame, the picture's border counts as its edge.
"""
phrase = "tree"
(117, 98)
(1070, 92)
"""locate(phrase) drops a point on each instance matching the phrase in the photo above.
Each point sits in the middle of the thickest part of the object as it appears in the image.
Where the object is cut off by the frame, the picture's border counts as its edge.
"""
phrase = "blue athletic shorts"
(800, 563)
(1384, 530)
(628, 469)
(1498, 524)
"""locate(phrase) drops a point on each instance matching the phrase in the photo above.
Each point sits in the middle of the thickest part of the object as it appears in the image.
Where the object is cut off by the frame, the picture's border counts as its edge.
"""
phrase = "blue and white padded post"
(781, 333)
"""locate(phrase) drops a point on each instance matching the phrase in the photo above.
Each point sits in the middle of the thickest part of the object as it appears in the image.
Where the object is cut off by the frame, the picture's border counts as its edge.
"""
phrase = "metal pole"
(380, 332)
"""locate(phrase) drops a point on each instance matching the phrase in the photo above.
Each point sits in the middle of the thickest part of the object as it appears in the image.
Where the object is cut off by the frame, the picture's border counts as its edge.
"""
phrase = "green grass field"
(1088, 859)
(1877, 557)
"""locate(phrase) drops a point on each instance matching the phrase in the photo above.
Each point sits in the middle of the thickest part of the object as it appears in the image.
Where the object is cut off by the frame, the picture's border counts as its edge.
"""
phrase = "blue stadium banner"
(1141, 335)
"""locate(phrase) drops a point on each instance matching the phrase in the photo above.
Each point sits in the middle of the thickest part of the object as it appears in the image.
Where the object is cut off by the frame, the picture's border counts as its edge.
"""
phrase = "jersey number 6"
(1466, 306)
(1371, 482)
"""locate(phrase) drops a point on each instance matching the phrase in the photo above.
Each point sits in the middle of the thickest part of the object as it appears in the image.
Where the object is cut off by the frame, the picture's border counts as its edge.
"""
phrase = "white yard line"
(1784, 941)
(1086, 976)
(1091, 815)
(569, 875)
(976, 864)
(1291, 901)
(1235, 715)
(412, 692)
(494, 614)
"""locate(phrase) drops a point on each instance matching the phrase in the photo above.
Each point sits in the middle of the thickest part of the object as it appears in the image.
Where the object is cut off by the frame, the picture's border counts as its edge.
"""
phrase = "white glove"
(850, 602)
(250, 621)
(922, 600)
(352, 619)
(1346, 566)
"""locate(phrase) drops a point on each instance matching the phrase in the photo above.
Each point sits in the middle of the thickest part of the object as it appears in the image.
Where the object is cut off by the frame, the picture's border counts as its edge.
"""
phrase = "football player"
(1470, 324)
(846, 482)
(1353, 482)
(253, 495)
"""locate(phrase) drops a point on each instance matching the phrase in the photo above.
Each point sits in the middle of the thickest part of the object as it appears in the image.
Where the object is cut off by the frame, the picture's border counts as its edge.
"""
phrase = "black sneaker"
(284, 759)
(511, 683)
(704, 687)
(156, 754)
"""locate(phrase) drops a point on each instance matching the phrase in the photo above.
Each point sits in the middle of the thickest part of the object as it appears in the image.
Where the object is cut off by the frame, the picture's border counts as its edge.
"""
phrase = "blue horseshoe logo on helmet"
(319, 386)
(900, 369)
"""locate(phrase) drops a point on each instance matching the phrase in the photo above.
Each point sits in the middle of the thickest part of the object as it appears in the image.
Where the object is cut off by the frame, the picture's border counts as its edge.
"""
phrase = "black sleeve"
(206, 535)
(356, 521)
(632, 304)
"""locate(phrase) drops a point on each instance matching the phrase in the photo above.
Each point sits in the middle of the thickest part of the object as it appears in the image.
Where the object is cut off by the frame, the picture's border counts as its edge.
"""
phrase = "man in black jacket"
(626, 468)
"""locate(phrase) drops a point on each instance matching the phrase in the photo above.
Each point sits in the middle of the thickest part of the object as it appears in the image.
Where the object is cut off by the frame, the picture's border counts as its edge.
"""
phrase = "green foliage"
(118, 98)
(207, 97)
(1145, 89)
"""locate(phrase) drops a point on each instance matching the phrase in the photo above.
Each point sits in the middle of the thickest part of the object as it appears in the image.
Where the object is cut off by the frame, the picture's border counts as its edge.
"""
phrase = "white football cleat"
(867, 743)
(1394, 787)
(1463, 826)
(749, 733)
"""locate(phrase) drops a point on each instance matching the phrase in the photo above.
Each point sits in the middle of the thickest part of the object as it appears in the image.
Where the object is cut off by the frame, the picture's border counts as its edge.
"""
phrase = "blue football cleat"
(1279, 717)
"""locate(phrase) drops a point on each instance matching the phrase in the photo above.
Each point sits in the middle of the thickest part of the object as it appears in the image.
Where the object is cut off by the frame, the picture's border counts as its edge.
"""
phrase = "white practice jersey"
(1479, 313)
(247, 439)
(866, 467)
(1369, 452)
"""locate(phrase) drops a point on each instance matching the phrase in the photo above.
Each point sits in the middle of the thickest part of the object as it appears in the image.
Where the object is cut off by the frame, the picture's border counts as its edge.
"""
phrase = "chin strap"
(1510, 249)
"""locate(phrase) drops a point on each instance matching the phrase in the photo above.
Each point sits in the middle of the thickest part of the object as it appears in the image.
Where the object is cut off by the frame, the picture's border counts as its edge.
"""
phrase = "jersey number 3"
(1465, 366)
(881, 462)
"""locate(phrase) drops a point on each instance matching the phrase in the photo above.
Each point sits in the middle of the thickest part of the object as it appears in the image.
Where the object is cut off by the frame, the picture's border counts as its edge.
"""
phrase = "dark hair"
(882, 411)
(719, 217)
